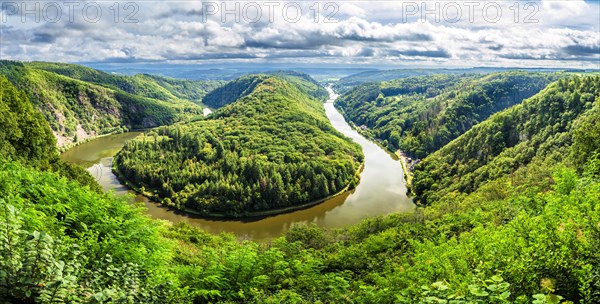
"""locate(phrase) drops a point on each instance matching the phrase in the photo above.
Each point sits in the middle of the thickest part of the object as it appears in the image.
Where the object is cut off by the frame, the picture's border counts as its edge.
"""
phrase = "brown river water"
(381, 191)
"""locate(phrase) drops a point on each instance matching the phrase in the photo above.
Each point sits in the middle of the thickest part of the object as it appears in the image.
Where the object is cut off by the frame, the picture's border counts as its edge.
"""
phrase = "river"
(381, 191)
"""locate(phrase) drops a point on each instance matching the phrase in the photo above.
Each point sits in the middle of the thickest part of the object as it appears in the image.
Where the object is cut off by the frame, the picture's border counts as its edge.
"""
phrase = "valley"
(273, 197)
(81, 103)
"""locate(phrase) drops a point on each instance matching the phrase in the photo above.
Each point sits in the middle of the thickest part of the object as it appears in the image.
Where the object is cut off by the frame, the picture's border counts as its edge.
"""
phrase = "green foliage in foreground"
(68, 243)
(61, 242)
(419, 115)
(272, 149)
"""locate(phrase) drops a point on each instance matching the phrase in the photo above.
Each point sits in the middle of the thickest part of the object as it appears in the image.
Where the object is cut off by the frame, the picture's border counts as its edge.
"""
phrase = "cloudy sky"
(547, 33)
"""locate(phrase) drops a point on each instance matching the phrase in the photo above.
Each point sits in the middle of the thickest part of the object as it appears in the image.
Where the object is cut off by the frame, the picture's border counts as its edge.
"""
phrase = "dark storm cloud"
(79, 25)
(299, 54)
(316, 40)
(290, 44)
(519, 56)
(209, 56)
(366, 52)
(582, 50)
(439, 53)
(345, 33)
(180, 12)
(555, 56)
(391, 38)
(304, 41)
(71, 30)
(43, 38)
(133, 59)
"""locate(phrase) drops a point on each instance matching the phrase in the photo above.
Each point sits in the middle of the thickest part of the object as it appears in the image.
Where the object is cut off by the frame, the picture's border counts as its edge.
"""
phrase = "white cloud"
(553, 11)
(350, 10)
(566, 34)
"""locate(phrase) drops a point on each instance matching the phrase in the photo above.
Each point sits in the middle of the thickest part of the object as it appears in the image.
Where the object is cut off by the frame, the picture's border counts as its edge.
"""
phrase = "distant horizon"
(356, 66)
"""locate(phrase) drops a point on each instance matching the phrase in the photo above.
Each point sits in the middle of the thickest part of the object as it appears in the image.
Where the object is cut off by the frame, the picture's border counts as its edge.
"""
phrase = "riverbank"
(403, 158)
(67, 147)
(408, 175)
(118, 130)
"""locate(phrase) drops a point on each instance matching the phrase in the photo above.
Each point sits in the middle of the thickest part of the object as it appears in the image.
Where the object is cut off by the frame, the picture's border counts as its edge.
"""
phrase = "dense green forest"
(421, 114)
(536, 128)
(273, 148)
(80, 102)
(528, 235)
(231, 91)
(245, 85)
(151, 86)
(64, 243)
(344, 84)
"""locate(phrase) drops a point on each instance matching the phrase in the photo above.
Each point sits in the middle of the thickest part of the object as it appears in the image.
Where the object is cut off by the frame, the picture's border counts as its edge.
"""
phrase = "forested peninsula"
(270, 150)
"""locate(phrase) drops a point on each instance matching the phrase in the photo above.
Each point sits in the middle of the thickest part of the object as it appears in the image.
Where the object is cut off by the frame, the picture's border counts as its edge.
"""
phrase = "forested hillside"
(345, 84)
(304, 83)
(151, 86)
(419, 115)
(79, 102)
(25, 136)
(513, 138)
(273, 148)
(245, 85)
(231, 91)
(527, 236)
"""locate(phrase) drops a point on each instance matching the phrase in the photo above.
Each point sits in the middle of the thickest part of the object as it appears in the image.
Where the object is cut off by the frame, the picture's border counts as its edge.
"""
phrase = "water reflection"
(382, 189)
